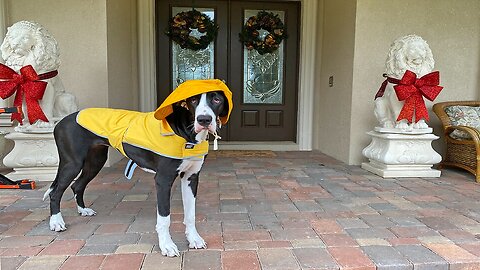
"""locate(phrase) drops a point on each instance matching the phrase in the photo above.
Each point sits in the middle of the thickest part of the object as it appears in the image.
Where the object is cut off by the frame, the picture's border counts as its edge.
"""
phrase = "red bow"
(26, 84)
(412, 91)
(381, 90)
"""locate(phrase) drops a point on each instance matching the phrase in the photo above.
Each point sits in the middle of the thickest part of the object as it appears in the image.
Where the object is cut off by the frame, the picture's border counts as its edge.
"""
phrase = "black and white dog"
(83, 152)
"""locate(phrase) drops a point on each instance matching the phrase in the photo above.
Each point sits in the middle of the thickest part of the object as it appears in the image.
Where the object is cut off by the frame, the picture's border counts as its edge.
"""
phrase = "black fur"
(181, 121)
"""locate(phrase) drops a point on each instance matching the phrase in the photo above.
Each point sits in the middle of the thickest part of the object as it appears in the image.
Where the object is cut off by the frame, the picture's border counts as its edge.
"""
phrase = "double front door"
(264, 83)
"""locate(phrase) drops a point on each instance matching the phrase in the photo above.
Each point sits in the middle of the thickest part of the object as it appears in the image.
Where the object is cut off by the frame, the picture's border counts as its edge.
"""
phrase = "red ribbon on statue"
(27, 84)
(412, 90)
(381, 90)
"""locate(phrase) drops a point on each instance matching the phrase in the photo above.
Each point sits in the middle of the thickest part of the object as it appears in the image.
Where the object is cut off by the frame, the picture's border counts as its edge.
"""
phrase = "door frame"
(306, 87)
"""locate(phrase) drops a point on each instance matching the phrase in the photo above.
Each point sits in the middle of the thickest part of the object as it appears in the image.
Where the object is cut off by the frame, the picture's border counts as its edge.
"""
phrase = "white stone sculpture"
(34, 155)
(29, 43)
(412, 53)
(400, 148)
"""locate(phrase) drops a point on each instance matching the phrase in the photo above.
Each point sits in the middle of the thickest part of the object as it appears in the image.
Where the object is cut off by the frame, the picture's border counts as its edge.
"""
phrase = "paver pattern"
(285, 210)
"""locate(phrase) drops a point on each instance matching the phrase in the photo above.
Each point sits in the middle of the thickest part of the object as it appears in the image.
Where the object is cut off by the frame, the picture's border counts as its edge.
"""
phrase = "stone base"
(34, 173)
(34, 156)
(6, 126)
(401, 155)
(404, 131)
(398, 171)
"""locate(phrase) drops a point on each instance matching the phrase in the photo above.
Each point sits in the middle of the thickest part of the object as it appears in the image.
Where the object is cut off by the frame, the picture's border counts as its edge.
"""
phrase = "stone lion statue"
(408, 52)
(29, 43)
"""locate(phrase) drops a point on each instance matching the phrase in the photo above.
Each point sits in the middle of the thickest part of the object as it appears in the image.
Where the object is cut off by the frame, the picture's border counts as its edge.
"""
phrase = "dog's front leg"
(164, 185)
(189, 192)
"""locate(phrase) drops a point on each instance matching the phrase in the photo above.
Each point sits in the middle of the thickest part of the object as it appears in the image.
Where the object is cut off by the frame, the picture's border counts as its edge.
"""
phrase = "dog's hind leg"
(96, 158)
(73, 143)
(66, 174)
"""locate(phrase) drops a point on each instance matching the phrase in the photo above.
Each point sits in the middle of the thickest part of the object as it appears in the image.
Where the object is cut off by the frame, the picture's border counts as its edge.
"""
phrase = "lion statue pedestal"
(402, 143)
(401, 155)
(28, 48)
(34, 156)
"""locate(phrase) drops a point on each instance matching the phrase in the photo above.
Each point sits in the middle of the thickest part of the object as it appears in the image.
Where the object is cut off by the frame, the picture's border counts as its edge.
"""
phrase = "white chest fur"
(189, 167)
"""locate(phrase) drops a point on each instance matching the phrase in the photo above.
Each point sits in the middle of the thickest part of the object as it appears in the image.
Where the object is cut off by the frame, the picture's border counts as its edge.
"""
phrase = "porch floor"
(271, 210)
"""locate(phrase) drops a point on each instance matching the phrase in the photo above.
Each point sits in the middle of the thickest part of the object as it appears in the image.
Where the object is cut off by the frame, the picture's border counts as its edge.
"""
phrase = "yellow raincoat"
(151, 131)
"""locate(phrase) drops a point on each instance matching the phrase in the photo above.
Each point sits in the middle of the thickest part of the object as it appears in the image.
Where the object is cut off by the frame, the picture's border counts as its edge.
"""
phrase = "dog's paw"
(169, 249)
(195, 241)
(86, 211)
(56, 223)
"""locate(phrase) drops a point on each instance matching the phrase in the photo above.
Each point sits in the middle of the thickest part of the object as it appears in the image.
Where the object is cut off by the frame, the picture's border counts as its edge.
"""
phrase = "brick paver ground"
(295, 210)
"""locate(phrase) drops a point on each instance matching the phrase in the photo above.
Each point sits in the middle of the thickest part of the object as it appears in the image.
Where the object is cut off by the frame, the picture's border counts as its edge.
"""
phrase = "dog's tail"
(47, 193)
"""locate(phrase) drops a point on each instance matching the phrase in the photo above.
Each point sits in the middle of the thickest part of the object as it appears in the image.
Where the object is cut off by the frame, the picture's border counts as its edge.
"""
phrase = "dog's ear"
(180, 105)
(225, 110)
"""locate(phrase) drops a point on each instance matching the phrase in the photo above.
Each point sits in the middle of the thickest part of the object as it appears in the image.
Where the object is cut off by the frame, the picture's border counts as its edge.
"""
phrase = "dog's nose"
(204, 120)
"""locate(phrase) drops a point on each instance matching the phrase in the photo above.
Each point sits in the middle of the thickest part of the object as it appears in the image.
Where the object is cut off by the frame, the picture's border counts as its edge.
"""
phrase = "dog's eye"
(216, 100)
(194, 100)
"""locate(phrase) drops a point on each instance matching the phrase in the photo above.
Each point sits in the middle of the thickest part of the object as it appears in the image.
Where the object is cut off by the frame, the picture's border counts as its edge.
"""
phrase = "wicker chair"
(462, 153)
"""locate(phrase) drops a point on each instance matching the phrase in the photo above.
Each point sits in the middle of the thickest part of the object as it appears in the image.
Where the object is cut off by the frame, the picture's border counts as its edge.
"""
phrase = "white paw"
(168, 248)
(195, 241)
(402, 124)
(388, 124)
(43, 124)
(56, 223)
(86, 211)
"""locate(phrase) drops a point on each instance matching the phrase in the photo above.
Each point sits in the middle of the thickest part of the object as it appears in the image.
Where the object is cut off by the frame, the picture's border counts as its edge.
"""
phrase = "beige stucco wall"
(122, 54)
(98, 46)
(80, 30)
(97, 40)
(333, 105)
(452, 29)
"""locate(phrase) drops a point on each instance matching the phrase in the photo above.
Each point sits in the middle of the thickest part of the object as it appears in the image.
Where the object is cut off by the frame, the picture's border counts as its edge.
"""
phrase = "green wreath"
(269, 22)
(180, 26)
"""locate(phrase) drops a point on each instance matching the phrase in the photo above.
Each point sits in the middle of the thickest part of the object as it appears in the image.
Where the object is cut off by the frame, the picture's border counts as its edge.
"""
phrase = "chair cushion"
(463, 116)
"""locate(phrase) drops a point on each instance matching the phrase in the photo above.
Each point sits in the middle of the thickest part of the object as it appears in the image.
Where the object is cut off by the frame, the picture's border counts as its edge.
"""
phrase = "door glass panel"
(263, 74)
(189, 64)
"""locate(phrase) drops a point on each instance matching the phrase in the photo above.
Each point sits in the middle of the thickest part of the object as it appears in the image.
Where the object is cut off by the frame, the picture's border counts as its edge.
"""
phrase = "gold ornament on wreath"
(251, 35)
(182, 25)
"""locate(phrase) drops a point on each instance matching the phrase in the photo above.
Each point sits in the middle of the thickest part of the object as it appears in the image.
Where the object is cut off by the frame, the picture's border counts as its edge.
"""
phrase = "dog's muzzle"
(204, 120)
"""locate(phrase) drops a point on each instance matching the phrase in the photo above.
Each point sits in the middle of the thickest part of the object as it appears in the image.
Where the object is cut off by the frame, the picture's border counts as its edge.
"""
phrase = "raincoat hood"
(192, 88)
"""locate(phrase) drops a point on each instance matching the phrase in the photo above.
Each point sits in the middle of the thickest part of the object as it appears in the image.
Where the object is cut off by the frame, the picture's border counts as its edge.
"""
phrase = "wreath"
(269, 22)
(181, 25)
